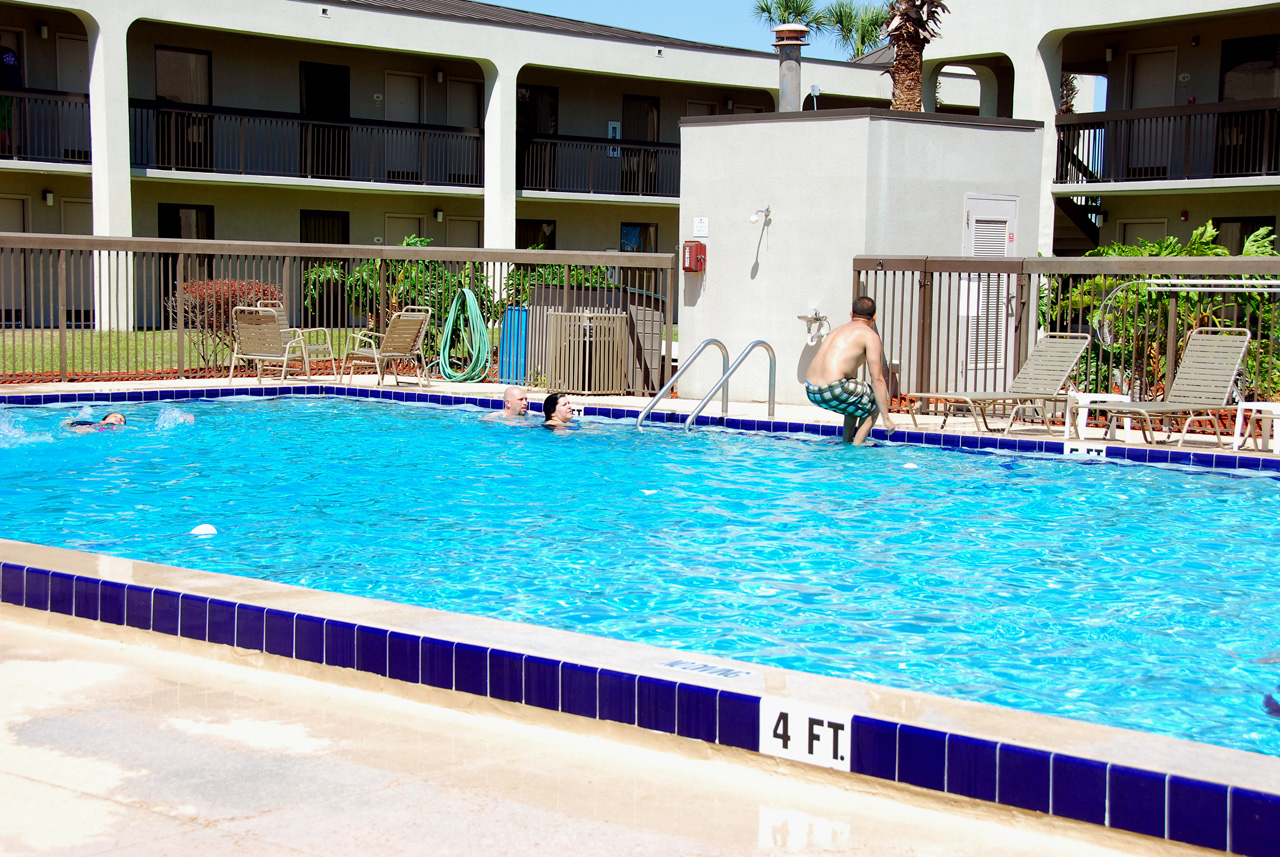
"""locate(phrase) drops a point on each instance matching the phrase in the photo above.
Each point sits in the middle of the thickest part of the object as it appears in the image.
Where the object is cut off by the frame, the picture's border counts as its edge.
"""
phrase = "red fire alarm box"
(694, 256)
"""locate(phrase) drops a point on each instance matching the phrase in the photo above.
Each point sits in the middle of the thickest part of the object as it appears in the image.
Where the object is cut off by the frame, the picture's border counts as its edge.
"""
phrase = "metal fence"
(45, 126)
(968, 324)
(87, 308)
(589, 165)
(1165, 143)
(257, 142)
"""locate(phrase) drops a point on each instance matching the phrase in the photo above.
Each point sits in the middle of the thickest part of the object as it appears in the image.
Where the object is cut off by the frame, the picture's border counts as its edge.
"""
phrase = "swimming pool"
(1132, 596)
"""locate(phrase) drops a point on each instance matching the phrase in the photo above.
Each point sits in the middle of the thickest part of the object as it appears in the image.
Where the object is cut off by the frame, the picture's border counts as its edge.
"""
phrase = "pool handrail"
(685, 364)
(723, 383)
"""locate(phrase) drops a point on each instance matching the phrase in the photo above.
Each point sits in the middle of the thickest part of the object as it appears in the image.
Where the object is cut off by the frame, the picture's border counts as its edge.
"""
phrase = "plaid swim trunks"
(849, 396)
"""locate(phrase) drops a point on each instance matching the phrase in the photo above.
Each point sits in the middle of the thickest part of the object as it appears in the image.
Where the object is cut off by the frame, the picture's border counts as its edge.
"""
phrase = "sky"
(719, 22)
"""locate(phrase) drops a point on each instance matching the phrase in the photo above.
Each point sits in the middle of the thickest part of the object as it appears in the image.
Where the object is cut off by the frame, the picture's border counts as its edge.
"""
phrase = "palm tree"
(858, 28)
(775, 12)
(912, 25)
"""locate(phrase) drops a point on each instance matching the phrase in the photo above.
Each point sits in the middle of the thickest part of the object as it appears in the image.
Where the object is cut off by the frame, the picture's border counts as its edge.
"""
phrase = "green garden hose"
(475, 338)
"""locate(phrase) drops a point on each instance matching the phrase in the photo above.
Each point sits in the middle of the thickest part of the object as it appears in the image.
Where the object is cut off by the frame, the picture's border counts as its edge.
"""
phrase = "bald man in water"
(515, 402)
(830, 381)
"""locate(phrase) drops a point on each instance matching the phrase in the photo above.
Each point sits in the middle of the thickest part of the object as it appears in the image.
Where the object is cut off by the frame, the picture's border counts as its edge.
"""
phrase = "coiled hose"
(475, 338)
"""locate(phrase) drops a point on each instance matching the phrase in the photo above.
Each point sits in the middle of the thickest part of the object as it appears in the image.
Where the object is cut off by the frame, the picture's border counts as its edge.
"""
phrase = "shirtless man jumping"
(830, 381)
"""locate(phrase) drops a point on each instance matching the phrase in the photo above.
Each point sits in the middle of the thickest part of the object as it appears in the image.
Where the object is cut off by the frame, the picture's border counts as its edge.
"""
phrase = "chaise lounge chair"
(257, 337)
(1041, 380)
(315, 340)
(1205, 383)
(403, 341)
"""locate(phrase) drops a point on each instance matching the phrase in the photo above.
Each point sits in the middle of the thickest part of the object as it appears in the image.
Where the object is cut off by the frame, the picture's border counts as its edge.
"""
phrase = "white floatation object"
(205, 530)
(911, 466)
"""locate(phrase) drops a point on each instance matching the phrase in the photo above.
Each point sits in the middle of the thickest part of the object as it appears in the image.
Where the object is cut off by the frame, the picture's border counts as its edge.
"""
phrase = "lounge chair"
(1205, 383)
(315, 340)
(257, 337)
(1041, 380)
(403, 341)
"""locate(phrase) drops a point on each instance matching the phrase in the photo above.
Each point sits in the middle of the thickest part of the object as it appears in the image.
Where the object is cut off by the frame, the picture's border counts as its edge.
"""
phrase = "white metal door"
(989, 233)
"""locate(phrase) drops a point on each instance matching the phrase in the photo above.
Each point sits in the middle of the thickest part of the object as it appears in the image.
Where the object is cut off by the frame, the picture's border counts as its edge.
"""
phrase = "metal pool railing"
(968, 324)
(87, 308)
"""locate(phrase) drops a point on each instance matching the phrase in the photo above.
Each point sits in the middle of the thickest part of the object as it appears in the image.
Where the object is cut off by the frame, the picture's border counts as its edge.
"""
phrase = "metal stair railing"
(684, 365)
(723, 383)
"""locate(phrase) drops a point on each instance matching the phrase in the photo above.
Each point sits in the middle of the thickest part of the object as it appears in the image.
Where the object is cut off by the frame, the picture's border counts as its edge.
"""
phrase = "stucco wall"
(598, 226)
(839, 185)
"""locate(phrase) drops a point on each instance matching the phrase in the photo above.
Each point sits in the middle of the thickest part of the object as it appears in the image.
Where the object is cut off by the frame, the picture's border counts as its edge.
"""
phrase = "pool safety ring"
(475, 339)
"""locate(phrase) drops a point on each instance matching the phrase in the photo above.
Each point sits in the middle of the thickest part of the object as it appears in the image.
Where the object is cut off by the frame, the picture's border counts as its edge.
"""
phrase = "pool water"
(1133, 596)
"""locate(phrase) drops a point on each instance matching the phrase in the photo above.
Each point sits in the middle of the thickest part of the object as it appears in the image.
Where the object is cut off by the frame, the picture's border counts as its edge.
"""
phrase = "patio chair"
(1041, 380)
(315, 340)
(256, 331)
(1205, 384)
(403, 341)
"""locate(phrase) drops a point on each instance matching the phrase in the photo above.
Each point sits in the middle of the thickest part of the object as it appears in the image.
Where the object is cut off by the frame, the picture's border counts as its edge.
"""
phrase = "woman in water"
(556, 411)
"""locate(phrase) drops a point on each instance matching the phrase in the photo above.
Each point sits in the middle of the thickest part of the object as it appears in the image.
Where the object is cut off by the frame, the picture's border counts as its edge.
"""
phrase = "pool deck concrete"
(109, 748)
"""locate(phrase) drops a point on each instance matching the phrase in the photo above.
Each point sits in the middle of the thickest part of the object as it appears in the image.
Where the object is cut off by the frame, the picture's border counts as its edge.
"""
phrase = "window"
(535, 233)
(1232, 231)
(537, 109)
(182, 76)
(1250, 68)
(638, 238)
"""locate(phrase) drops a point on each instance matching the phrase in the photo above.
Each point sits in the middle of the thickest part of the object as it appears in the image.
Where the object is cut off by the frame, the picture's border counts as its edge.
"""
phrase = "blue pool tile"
(1119, 452)
(193, 617)
(165, 611)
(402, 657)
(506, 675)
(441, 667)
(1009, 444)
(278, 633)
(971, 767)
(969, 442)
(922, 757)
(111, 602)
(1052, 447)
(617, 696)
(656, 704)
(879, 434)
(1030, 446)
(339, 644)
(13, 584)
(913, 437)
(951, 441)
(134, 396)
(137, 607)
(1202, 459)
(696, 712)
(1177, 456)
(1255, 823)
(1023, 778)
(166, 395)
(1198, 813)
(578, 689)
(542, 683)
(471, 669)
(150, 395)
(738, 720)
(371, 650)
(875, 747)
(1271, 464)
(1157, 456)
(1137, 455)
(35, 593)
(1248, 463)
(1079, 789)
(86, 606)
(987, 442)
(1227, 461)
(62, 593)
(1136, 800)
(812, 428)
(932, 439)
(308, 638)
(830, 431)
(251, 624)
(222, 622)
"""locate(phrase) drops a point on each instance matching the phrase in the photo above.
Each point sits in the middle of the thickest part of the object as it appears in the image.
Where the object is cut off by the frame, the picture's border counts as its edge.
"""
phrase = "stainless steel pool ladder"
(721, 386)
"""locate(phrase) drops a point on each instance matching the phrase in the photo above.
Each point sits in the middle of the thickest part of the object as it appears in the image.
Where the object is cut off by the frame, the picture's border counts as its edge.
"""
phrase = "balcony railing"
(592, 165)
(254, 142)
(1198, 141)
(36, 125)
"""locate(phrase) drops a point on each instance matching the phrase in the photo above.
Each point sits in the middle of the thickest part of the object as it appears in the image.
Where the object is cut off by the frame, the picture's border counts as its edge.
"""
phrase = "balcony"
(1198, 141)
(591, 165)
(167, 136)
(44, 126)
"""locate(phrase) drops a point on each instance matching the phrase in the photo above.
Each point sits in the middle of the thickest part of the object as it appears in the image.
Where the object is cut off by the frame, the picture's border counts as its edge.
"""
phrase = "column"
(500, 155)
(1037, 76)
(114, 302)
